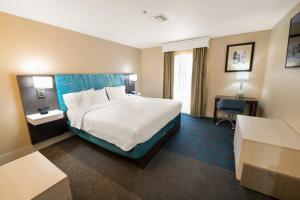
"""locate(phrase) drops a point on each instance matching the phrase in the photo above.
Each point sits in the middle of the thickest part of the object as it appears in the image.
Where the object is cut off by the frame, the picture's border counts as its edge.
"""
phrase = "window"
(183, 66)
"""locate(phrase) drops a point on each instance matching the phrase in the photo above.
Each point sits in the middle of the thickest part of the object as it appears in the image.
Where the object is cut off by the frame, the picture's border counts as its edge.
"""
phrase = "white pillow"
(75, 100)
(95, 97)
(114, 93)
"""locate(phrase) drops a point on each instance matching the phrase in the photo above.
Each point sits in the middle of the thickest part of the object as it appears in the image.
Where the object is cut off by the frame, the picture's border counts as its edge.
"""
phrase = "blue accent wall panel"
(67, 83)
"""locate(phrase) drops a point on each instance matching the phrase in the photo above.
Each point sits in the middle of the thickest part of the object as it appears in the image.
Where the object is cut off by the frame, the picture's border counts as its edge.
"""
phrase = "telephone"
(132, 92)
(44, 110)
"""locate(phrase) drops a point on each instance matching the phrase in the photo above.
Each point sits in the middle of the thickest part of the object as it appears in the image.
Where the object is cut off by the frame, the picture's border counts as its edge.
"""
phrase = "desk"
(252, 102)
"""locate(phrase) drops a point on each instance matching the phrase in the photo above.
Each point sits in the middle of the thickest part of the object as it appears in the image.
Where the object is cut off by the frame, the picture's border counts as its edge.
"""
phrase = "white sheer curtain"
(183, 67)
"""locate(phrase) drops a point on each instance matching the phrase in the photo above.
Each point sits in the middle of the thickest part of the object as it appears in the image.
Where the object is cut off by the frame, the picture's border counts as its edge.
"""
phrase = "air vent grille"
(160, 18)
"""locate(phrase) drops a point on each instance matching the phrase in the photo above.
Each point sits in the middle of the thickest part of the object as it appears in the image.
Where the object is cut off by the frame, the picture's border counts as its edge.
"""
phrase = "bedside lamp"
(132, 80)
(133, 77)
(40, 83)
(241, 76)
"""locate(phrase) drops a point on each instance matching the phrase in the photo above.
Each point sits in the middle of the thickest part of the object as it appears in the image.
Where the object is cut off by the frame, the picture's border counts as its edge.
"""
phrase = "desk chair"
(232, 107)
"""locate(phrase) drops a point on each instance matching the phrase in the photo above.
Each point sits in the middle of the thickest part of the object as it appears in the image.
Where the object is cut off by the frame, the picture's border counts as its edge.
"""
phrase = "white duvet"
(127, 122)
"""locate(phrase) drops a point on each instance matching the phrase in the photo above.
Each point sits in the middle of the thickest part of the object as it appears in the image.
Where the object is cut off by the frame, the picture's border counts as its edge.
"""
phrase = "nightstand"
(37, 119)
(43, 127)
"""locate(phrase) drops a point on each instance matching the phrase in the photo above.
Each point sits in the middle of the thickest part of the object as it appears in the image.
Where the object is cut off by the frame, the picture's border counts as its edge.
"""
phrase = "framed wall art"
(293, 49)
(239, 57)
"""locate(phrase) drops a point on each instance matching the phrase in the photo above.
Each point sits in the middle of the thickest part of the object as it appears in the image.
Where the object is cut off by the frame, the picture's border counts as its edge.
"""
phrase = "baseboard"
(16, 154)
(32, 148)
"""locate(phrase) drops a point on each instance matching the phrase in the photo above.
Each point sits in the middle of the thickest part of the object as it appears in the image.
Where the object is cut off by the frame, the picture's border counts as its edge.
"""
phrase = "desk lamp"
(241, 76)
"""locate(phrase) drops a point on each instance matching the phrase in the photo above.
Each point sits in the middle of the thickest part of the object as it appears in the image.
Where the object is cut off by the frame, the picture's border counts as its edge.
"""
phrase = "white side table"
(264, 143)
(33, 177)
(267, 156)
(136, 94)
(37, 119)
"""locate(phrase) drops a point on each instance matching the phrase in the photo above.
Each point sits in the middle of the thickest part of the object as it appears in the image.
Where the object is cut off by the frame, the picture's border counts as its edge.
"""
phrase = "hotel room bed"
(133, 127)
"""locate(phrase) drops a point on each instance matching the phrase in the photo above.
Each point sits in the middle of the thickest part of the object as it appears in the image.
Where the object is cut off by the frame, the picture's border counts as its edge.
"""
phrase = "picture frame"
(293, 47)
(239, 57)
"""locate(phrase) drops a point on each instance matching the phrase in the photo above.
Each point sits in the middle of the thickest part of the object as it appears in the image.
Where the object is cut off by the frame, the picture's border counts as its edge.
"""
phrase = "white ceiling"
(123, 21)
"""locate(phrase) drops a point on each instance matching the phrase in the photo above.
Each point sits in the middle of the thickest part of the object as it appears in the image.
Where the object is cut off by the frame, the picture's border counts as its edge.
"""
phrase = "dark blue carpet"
(201, 139)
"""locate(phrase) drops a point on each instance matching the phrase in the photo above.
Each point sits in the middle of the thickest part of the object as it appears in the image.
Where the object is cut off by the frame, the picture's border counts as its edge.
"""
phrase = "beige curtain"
(199, 93)
(168, 75)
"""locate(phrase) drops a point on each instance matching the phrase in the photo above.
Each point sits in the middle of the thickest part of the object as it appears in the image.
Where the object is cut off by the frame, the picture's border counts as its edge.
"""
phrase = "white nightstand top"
(28, 177)
(36, 119)
(137, 94)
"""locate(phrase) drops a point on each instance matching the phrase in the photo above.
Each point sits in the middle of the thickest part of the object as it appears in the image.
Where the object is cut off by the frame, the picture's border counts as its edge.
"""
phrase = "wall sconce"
(41, 83)
(241, 76)
(133, 77)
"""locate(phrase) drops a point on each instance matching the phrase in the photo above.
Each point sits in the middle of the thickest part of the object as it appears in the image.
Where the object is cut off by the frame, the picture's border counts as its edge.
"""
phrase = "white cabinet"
(33, 177)
(266, 143)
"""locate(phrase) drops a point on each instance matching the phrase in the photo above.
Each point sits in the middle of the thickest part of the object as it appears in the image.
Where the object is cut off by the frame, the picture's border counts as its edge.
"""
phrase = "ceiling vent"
(160, 18)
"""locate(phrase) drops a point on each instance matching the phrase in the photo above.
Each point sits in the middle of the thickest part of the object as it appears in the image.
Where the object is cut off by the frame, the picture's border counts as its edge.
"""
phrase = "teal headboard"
(67, 83)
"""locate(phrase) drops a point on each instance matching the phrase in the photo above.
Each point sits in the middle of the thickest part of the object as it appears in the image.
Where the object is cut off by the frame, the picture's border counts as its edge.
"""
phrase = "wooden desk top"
(28, 177)
(249, 99)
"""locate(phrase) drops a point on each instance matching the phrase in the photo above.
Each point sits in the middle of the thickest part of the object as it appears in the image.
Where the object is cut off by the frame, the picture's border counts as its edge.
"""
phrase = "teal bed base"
(138, 151)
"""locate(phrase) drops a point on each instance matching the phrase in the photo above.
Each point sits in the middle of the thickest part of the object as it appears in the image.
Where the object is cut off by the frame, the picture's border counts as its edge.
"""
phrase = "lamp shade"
(133, 77)
(42, 82)
(242, 76)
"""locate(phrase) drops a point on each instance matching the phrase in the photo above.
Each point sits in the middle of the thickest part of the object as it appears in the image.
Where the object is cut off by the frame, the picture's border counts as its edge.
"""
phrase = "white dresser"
(269, 145)
(33, 177)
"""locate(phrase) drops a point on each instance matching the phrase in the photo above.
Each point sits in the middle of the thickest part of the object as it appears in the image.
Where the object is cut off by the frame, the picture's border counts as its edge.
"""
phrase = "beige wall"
(219, 82)
(281, 93)
(152, 61)
(28, 47)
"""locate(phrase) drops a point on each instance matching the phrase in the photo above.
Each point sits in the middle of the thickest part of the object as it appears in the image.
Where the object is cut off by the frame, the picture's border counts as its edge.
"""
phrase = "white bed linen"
(125, 122)
(115, 93)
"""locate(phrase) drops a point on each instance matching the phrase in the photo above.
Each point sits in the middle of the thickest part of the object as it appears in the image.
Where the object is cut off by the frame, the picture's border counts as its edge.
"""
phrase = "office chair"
(232, 107)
